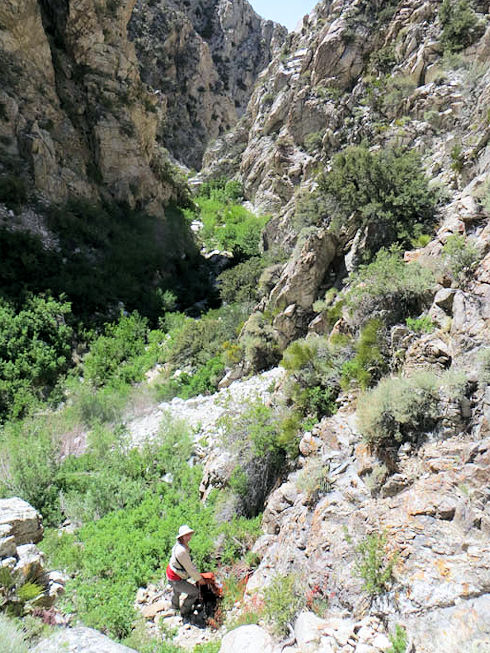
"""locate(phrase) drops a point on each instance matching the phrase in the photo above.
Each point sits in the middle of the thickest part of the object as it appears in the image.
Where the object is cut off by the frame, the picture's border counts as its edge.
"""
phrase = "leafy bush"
(283, 600)
(460, 25)
(240, 283)
(112, 355)
(204, 381)
(387, 187)
(404, 409)
(459, 257)
(313, 142)
(368, 362)
(398, 640)
(373, 564)
(314, 366)
(35, 349)
(261, 448)
(193, 342)
(259, 342)
(397, 88)
(422, 324)
(29, 456)
(388, 288)
(311, 210)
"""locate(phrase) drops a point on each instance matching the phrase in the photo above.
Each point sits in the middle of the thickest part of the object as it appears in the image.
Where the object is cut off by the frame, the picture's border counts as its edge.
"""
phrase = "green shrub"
(240, 284)
(404, 409)
(29, 455)
(460, 25)
(397, 89)
(387, 187)
(368, 362)
(313, 142)
(35, 350)
(373, 565)
(388, 288)
(311, 210)
(459, 257)
(192, 342)
(13, 192)
(259, 343)
(98, 405)
(261, 448)
(422, 324)
(113, 356)
(204, 381)
(314, 366)
(283, 599)
(398, 640)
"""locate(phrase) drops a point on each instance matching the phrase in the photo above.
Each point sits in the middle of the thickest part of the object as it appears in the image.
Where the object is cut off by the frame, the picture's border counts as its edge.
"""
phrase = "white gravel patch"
(202, 412)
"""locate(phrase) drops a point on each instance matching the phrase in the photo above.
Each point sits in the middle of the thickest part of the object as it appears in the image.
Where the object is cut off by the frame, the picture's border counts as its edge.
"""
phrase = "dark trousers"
(183, 587)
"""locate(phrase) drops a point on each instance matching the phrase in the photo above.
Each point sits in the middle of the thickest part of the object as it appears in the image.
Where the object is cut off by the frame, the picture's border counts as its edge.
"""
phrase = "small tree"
(460, 25)
(373, 564)
(387, 187)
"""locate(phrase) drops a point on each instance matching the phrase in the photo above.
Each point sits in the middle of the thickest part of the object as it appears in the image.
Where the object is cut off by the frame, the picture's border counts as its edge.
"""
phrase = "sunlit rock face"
(205, 59)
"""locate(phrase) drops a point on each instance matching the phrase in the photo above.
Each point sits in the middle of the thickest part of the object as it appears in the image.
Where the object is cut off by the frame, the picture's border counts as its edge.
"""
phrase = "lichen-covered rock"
(21, 521)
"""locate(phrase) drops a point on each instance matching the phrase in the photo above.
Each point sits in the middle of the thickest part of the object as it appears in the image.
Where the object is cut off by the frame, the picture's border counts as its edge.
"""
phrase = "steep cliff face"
(73, 106)
(358, 71)
(84, 111)
(205, 59)
(380, 74)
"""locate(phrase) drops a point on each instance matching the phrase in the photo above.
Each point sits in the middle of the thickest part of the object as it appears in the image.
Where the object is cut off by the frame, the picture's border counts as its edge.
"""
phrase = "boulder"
(308, 631)
(247, 639)
(23, 520)
(303, 275)
(31, 561)
(79, 640)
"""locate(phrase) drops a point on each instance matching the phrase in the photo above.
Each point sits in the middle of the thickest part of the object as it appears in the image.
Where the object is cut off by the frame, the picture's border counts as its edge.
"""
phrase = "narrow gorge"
(245, 286)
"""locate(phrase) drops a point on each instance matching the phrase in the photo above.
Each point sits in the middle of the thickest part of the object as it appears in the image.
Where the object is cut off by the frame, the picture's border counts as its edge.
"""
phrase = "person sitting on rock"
(179, 569)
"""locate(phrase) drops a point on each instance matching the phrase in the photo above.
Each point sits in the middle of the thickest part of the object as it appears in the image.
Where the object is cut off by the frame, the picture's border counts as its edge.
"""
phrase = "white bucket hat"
(184, 530)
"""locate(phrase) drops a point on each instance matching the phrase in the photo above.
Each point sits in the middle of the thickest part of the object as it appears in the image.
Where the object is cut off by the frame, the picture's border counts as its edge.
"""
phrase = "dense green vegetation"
(460, 24)
(35, 349)
(226, 224)
(387, 187)
(131, 502)
(108, 256)
(388, 288)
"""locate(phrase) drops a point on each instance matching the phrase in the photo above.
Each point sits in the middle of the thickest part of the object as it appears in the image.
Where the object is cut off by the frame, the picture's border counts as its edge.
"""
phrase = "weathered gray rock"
(303, 275)
(22, 521)
(308, 630)
(30, 561)
(462, 628)
(204, 61)
(247, 639)
(79, 640)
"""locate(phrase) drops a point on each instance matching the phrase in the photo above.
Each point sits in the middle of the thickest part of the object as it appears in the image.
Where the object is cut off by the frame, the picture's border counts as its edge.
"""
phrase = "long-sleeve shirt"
(181, 563)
